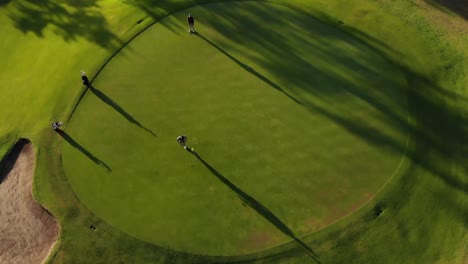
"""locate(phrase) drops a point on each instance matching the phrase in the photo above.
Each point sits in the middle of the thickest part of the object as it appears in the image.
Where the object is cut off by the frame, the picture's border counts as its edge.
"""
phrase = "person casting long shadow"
(106, 99)
(257, 206)
(76, 145)
(248, 68)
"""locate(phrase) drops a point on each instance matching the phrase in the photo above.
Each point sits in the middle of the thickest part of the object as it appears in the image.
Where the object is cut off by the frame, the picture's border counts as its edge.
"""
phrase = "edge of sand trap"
(27, 230)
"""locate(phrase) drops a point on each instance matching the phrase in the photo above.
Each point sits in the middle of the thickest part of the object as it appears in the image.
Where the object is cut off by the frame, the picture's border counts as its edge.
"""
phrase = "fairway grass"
(259, 109)
(119, 146)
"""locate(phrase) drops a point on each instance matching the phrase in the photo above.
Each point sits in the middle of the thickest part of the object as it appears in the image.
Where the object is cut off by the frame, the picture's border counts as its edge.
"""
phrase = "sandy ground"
(27, 231)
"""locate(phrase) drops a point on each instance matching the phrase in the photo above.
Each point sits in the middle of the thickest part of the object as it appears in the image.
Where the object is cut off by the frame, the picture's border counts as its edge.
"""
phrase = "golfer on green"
(182, 140)
(191, 22)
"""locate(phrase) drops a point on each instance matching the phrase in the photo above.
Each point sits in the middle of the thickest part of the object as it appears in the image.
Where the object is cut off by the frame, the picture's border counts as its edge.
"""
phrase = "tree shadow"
(68, 19)
(106, 99)
(459, 7)
(158, 10)
(4, 2)
(331, 66)
(77, 145)
(8, 161)
(258, 207)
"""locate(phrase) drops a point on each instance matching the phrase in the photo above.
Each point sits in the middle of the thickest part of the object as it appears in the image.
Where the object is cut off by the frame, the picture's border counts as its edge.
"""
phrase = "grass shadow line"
(249, 69)
(106, 99)
(459, 7)
(258, 207)
(77, 145)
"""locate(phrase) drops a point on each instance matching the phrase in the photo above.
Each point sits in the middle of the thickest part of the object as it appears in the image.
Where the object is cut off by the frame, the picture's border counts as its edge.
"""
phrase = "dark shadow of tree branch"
(67, 18)
(459, 7)
(408, 101)
(4, 2)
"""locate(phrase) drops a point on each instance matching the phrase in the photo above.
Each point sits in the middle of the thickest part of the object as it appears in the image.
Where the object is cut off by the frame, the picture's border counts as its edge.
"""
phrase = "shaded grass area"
(436, 119)
(454, 6)
(70, 20)
(52, 59)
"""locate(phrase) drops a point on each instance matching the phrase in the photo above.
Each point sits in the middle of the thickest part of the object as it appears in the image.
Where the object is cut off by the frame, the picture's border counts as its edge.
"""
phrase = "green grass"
(224, 89)
(424, 208)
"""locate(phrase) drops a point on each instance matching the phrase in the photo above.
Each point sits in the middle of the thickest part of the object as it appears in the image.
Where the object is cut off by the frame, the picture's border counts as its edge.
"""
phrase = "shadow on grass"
(158, 10)
(356, 81)
(459, 7)
(258, 207)
(69, 19)
(106, 99)
(347, 65)
(8, 161)
(77, 145)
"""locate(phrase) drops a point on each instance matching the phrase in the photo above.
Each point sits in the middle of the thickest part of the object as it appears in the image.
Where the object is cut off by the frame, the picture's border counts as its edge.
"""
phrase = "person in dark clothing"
(182, 141)
(85, 79)
(191, 22)
(56, 125)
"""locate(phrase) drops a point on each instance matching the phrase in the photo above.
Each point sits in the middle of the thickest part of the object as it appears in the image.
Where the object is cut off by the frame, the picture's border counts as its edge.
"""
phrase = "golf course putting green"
(267, 97)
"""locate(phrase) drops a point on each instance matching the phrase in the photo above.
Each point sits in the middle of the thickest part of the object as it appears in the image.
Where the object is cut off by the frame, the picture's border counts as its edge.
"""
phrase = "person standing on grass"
(182, 141)
(84, 78)
(56, 125)
(191, 22)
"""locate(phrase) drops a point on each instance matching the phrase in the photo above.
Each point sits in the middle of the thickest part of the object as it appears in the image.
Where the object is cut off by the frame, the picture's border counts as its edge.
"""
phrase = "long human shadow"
(77, 145)
(249, 69)
(106, 99)
(257, 206)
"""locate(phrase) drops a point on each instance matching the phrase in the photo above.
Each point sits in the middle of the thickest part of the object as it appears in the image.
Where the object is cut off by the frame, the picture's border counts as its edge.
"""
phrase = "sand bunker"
(27, 231)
